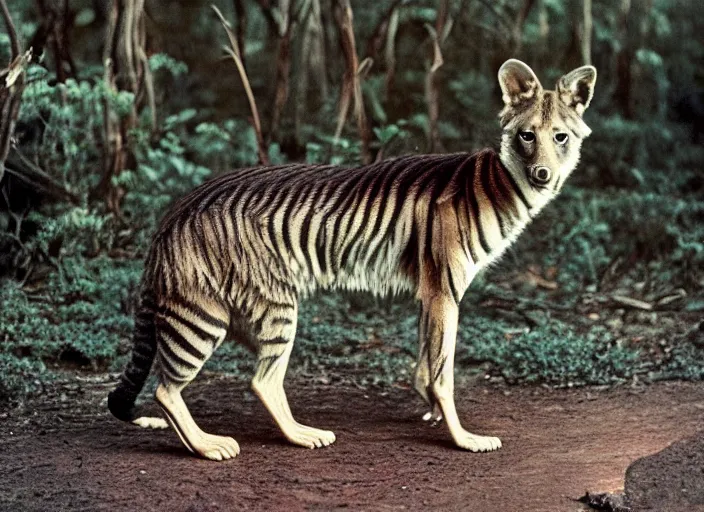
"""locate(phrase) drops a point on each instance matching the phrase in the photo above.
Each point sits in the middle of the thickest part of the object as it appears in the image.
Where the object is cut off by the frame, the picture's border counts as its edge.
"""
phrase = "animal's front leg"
(422, 381)
(439, 325)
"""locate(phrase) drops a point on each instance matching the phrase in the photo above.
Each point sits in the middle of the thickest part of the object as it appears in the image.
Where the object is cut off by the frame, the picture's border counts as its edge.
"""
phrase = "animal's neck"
(535, 199)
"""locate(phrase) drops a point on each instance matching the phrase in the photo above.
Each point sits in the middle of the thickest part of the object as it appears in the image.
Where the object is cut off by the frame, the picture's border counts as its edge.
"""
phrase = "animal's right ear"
(518, 83)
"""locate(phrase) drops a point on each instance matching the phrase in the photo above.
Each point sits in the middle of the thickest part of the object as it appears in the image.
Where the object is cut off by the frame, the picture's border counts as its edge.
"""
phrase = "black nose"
(541, 174)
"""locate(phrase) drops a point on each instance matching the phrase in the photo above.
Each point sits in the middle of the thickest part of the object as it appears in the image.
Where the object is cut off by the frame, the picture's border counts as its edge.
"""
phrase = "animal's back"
(286, 230)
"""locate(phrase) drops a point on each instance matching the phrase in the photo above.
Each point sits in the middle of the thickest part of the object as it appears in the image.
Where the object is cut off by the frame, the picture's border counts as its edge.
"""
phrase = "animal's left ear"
(576, 88)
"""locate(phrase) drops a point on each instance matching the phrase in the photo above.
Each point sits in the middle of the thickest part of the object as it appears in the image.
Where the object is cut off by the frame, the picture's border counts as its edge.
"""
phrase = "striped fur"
(239, 252)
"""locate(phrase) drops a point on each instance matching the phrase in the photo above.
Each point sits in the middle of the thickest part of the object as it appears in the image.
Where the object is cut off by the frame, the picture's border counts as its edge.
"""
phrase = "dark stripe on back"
(490, 191)
(196, 310)
(471, 184)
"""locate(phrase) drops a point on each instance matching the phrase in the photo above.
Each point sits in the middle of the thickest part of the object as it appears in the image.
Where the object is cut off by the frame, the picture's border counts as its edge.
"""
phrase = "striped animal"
(238, 253)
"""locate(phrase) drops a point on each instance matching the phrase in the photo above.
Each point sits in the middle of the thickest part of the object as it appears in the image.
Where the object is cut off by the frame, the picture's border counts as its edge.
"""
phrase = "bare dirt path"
(68, 454)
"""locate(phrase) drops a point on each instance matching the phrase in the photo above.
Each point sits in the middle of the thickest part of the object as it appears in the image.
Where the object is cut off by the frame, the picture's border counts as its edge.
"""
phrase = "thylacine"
(239, 251)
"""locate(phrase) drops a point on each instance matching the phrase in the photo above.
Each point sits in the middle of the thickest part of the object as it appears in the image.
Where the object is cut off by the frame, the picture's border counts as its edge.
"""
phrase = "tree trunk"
(53, 32)
(587, 27)
(283, 72)
(126, 69)
(520, 23)
(351, 81)
(622, 94)
(312, 62)
(432, 87)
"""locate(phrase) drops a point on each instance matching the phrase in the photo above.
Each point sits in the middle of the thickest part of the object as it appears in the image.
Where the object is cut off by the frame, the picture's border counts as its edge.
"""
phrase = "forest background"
(121, 106)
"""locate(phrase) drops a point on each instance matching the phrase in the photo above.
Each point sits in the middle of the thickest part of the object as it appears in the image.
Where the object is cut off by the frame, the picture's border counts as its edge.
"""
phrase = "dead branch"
(233, 51)
(377, 40)
(11, 88)
(26, 171)
(351, 81)
(241, 29)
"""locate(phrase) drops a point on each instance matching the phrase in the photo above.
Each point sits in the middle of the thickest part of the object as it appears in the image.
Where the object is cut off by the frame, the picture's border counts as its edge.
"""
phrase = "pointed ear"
(518, 83)
(576, 88)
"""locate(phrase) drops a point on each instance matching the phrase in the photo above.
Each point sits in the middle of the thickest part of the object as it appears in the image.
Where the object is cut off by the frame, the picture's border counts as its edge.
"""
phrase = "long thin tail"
(121, 400)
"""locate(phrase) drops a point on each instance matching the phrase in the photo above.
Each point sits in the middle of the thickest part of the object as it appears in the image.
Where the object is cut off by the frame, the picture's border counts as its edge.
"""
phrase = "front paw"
(475, 443)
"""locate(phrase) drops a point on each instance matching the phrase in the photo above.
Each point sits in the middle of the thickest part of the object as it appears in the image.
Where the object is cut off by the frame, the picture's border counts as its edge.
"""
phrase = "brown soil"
(65, 453)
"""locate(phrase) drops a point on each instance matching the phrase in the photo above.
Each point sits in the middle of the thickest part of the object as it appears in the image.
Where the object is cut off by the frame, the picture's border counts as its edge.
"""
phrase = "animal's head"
(543, 130)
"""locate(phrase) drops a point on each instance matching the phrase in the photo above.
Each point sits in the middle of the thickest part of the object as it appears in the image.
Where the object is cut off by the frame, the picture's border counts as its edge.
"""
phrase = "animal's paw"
(309, 437)
(217, 447)
(475, 443)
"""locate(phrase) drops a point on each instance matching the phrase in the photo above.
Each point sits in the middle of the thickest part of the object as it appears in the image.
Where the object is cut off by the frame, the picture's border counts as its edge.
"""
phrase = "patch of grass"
(683, 362)
(552, 354)
(79, 320)
(21, 376)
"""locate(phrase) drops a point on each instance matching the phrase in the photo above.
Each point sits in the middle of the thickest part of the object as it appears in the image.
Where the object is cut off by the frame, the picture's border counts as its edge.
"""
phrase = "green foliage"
(554, 355)
(684, 362)
(79, 319)
(20, 376)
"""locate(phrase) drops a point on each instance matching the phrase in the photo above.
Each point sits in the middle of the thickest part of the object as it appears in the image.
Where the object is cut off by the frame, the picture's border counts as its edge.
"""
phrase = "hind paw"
(217, 447)
(309, 437)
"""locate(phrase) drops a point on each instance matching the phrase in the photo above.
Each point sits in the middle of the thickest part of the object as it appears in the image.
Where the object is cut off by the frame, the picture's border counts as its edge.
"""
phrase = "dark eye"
(527, 136)
(561, 138)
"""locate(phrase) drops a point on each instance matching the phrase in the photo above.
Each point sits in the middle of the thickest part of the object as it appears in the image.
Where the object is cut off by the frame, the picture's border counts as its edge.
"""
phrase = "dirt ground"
(63, 451)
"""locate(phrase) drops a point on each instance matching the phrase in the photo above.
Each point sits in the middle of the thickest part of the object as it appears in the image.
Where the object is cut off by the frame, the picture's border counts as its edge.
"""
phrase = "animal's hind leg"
(275, 337)
(187, 334)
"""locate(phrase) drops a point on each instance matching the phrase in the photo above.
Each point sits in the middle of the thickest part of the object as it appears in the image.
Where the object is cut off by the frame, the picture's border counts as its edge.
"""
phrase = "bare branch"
(11, 30)
(235, 54)
(351, 82)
